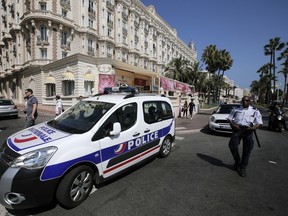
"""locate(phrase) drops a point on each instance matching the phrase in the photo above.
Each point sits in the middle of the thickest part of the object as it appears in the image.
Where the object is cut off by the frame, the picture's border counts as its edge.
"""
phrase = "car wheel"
(75, 187)
(165, 147)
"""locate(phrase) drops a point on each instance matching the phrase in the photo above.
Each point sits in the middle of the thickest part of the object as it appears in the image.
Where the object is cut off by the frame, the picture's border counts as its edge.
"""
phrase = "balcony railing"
(65, 2)
(42, 40)
(110, 23)
(136, 24)
(124, 30)
(124, 16)
(65, 46)
(109, 5)
(91, 51)
(91, 12)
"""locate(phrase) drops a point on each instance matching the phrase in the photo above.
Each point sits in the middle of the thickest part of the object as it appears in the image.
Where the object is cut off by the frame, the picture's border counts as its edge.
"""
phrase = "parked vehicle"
(276, 119)
(8, 108)
(89, 143)
(218, 120)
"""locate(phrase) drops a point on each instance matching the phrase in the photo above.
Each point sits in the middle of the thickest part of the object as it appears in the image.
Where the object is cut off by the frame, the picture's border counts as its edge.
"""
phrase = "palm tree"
(270, 50)
(265, 71)
(284, 70)
(194, 71)
(210, 58)
(225, 63)
(177, 69)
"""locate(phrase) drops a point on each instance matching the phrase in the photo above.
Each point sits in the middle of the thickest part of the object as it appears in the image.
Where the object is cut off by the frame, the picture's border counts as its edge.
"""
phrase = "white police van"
(91, 141)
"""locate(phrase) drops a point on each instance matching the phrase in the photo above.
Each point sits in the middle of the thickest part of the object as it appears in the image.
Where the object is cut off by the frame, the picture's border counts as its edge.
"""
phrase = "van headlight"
(34, 159)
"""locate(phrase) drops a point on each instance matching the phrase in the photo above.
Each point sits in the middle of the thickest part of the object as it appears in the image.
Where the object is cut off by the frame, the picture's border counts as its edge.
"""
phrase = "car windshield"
(5, 102)
(81, 117)
(226, 109)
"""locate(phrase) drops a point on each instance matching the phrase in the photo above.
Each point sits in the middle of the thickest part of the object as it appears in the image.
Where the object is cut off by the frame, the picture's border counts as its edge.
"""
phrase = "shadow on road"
(214, 161)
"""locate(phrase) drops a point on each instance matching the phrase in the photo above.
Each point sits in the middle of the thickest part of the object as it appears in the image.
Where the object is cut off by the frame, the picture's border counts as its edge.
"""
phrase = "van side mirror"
(116, 129)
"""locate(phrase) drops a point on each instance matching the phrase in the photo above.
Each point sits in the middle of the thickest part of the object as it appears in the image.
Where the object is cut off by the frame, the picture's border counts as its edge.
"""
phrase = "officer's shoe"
(236, 166)
(242, 172)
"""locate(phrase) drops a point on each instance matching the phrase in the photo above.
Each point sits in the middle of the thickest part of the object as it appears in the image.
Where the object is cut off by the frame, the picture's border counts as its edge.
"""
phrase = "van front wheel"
(75, 187)
(165, 147)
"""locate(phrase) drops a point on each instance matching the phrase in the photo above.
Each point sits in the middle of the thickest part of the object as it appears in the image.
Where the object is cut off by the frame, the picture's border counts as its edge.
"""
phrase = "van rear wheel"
(75, 187)
(165, 147)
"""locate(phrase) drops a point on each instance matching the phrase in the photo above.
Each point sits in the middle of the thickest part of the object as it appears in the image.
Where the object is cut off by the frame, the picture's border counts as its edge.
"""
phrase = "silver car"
(8, 108)
(218, 120)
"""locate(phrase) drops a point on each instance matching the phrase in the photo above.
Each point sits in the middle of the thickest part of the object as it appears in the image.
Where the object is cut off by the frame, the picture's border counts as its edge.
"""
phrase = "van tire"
(165, 147)
(75, 187)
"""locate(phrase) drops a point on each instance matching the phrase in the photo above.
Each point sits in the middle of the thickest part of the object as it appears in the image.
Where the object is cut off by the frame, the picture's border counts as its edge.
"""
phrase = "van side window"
(151, 111)
(125, 115)
(129, 115)
(166, 110)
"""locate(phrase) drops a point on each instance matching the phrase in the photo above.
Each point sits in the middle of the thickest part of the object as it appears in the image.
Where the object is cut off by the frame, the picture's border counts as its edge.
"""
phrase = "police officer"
(243, 121)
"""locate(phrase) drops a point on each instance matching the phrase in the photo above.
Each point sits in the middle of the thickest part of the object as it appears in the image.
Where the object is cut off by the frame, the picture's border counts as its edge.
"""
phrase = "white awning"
(50, 80)
(89, 77)
(68, 76)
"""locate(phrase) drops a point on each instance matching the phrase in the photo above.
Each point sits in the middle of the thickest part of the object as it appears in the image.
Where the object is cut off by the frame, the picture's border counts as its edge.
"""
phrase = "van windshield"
(81, 117)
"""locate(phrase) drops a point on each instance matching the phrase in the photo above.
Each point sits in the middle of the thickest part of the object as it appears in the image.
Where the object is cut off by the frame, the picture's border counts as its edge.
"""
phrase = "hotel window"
(68, 87)
(43, 32)
(50, 89)
(90, 23)
(17, 18)
(63, 38)
(83, 21)
(43, 53)
(90, 7)
(109, 32)
(124, 39)
(64, 13)
(42, 6)
(88, 86)
(83, 2)
(90, 44)
(109, 18)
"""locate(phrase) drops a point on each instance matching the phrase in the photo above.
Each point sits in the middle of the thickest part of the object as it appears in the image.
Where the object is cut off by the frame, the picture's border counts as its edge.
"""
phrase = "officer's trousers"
(248, 143)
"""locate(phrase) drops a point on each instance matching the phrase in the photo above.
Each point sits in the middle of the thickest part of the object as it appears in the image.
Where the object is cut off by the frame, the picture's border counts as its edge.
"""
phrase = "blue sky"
(242, 27)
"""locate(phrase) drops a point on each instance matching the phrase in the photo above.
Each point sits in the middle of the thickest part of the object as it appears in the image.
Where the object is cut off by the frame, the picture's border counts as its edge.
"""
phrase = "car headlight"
(212, 118)
(34, 159)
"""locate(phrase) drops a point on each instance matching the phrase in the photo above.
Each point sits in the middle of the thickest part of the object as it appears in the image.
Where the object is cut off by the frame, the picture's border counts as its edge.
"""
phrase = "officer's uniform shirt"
(245, 116)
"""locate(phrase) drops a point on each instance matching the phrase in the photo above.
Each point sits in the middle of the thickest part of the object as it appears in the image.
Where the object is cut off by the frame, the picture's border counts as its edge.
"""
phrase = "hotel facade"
(78, 47)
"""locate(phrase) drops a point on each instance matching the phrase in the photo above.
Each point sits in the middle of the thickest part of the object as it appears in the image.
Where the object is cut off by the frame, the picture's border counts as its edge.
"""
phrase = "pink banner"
(167, 84)
(181, 87)
(105, 81)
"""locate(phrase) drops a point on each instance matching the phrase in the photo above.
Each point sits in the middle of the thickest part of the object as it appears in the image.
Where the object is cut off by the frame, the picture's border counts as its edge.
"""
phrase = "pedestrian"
(185, 109)
(80, 98)
(244, 121)
(191, 108)
(58, 106)
(31, 108)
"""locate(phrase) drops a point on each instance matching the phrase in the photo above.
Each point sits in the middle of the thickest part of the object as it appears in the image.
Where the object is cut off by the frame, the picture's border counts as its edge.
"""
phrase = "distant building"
(73, 48)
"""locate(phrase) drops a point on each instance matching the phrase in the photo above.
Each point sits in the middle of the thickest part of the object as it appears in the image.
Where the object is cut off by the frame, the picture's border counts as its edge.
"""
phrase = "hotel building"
(78, 47)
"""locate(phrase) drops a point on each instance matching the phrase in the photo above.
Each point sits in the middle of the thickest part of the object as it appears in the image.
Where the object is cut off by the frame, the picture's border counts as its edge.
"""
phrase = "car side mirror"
(116, 129)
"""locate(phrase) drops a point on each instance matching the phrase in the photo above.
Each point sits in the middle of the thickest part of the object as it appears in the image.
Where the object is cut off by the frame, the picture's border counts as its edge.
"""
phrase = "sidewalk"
(198, 122)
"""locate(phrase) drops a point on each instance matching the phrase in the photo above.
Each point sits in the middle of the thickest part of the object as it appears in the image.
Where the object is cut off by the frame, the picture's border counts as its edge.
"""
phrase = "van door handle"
(147, 130)
(136, 134)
